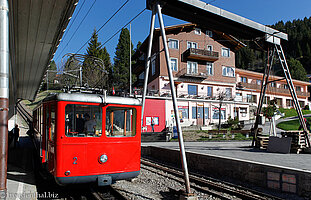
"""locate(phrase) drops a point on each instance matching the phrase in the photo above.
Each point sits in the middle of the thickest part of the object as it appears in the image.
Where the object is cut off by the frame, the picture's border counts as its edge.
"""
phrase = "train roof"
(93, 98)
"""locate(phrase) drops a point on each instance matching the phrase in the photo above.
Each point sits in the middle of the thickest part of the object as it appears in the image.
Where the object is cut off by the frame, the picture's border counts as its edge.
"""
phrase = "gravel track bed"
(155, 185)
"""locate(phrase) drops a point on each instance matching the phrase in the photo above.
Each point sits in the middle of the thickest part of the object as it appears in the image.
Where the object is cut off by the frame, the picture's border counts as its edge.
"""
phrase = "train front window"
(83, 120)
(120, 122)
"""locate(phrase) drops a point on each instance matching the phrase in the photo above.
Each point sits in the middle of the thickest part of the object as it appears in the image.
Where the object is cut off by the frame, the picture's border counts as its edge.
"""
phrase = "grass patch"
(291, 124)
(292, 112)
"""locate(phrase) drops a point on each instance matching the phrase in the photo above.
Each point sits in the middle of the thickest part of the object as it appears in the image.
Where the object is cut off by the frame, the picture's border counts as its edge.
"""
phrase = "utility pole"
(4, 93)
(130, 63)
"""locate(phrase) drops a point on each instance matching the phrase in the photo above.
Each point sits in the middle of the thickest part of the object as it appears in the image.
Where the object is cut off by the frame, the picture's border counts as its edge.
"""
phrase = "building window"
(192, 67)
(209, 33)
(243, 112)
(228, 71)
(153, 67)
(258, 82)
(251, 98)
(209, 68)
(225, 52)
(206, 113)
(216, 113)
(174, 64)
(183, 112)
(243, 79)
(273, 84)
(209, 91)
(209, 48)
(285, 86)
(298, 88)
(266, 100)
(279, 101)
(197, 31)
(192, 89)
(228, 92)
(193, 45)
(302, 104)
(141, 76)
(289, 103)
(194, 112)
(172, 44)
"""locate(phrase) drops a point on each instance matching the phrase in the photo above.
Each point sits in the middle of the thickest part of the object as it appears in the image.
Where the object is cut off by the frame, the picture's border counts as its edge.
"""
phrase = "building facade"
(203, 66)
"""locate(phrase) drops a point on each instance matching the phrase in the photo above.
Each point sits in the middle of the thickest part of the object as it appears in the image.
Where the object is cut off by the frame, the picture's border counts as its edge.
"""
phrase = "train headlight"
(103, 158)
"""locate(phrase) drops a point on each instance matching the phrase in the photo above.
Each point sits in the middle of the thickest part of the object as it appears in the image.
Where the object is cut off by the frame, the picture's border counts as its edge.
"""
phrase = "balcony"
(201, 74)
(201, 54)
(270, 89)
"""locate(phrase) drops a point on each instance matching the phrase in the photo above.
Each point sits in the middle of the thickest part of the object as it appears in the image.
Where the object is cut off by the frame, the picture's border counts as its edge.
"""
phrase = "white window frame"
(170, 40)
(224, 50)
(209, 33)
(225, 72)
(190, 69)
(153, 67)
(211, 46)
(212, 68)
(197, 31)
(189, 45)
(176, 64)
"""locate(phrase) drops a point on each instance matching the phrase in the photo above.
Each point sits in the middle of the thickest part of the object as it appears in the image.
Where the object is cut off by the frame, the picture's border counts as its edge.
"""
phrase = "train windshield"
(120, 122)
(83, 120)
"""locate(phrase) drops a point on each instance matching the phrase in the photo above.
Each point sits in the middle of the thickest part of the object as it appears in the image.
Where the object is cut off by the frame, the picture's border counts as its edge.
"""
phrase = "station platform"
(20, 173)
(237, 160)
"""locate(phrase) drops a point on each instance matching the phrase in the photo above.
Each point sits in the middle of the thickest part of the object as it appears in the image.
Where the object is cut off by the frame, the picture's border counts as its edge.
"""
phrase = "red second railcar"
(89, 137)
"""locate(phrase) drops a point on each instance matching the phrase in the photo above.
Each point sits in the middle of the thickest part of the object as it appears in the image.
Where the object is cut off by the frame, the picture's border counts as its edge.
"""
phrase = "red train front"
(89, 137)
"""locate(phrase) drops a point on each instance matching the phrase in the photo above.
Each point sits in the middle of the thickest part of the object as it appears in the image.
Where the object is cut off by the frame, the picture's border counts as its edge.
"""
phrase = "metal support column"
(4, 92)
(170, 74)
(264, 84)
(148, 60)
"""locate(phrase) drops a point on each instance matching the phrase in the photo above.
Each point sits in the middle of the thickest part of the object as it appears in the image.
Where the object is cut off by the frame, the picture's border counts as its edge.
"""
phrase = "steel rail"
(225, 187)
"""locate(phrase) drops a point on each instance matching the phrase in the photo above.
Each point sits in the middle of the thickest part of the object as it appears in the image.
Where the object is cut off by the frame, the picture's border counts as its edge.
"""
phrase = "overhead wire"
(74, 19)
(88, 12)
(124, 26)
(104, 24)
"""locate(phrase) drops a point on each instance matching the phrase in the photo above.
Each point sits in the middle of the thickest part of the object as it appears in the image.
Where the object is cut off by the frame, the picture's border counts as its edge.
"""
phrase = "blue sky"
(264, 11)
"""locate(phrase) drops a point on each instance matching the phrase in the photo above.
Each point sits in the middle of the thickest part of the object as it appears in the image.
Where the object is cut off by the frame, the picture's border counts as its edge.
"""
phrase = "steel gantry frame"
(156, 9)
(278, 50)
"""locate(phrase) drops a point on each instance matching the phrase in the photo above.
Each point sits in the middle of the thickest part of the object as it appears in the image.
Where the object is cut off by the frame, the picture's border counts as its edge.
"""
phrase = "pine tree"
(121, 61)
(93, 73)
(296, 69)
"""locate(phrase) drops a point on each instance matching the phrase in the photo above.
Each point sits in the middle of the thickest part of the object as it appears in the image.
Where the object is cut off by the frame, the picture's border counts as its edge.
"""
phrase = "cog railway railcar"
(88, 137)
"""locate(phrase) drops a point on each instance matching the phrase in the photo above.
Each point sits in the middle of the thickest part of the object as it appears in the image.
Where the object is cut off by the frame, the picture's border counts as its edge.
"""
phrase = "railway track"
(105, 193)
(211, 186)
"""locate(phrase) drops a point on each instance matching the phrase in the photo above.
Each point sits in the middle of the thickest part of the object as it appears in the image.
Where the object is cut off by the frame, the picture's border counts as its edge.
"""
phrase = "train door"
(51, 137)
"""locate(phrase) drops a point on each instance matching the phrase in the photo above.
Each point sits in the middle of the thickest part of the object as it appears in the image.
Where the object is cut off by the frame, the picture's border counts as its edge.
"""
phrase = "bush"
(233, 123)
(307, 107)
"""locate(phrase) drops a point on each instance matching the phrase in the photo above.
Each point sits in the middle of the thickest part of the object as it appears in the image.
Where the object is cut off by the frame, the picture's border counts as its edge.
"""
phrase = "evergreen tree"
(93, 72)
(121, 61)
(296, 69)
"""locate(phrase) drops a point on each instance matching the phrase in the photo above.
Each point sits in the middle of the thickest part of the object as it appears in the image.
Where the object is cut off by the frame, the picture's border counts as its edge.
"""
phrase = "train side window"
(120, 122)
(83, 120)
(52, 122)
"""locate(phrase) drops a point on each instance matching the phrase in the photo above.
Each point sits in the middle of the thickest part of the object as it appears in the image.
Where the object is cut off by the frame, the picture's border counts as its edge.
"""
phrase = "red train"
(89, 137)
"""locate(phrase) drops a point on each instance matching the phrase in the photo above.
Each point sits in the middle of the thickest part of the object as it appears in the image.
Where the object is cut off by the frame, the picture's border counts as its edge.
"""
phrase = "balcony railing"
(200, 74)
(270, 89)
(201, 54)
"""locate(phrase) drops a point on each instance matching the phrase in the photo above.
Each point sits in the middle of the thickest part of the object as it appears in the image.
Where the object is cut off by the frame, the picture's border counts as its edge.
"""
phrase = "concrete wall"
(259, 174)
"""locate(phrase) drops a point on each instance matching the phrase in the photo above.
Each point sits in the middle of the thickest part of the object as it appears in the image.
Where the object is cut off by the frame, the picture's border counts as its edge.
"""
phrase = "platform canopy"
(214, 18)
(36, 28)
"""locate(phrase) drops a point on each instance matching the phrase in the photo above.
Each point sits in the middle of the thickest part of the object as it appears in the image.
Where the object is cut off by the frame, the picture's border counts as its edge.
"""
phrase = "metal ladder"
(292, 90)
